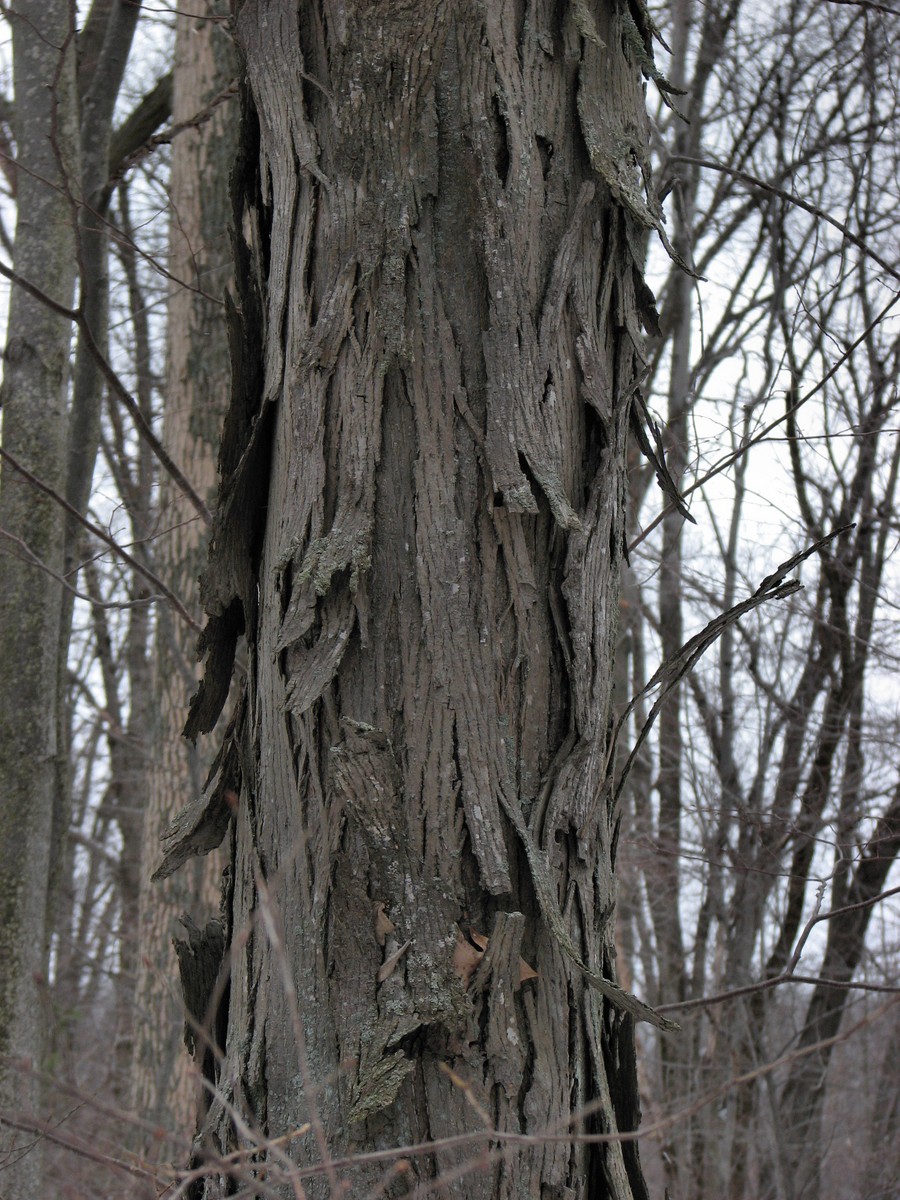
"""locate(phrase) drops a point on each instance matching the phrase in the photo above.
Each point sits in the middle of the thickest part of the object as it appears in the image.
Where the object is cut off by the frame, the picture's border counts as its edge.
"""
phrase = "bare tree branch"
(77, 316)
(105, 538)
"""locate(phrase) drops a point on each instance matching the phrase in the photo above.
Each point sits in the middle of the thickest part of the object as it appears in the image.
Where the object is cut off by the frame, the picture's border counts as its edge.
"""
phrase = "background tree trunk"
(32, 524)
(104, 45)
(196, 400)
(421, 526)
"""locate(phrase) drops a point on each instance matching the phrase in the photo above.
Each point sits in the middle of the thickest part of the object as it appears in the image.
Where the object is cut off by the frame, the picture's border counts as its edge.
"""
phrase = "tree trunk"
(420, 530)
(34, 434)
(104, 46)
(664, 894)
(196, 400)
(803, 1094)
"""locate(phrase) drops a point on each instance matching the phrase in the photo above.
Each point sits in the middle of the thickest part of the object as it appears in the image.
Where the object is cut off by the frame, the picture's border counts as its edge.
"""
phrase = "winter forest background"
(759, 785)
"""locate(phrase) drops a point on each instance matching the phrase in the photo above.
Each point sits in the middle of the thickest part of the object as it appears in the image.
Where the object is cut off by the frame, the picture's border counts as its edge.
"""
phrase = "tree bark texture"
(420, 530)
(196, 399)
(35, 372)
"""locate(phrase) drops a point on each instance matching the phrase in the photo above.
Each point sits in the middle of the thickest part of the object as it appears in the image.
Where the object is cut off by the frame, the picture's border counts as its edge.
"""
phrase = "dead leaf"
(383, 925)
(466, 957)
(387, 967)
(527, 972)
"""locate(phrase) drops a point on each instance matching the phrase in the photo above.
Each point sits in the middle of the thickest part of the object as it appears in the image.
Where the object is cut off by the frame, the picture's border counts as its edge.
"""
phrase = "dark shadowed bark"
(441, 229)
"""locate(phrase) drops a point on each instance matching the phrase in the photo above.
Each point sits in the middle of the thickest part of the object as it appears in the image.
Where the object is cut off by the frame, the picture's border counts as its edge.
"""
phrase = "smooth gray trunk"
(34, 434)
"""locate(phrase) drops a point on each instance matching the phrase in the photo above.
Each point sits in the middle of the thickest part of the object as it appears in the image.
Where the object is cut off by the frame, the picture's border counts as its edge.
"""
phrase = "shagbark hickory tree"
(440, 215)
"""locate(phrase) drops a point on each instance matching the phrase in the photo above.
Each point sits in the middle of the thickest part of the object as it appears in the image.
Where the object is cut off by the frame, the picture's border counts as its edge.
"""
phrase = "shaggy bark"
(420, 530)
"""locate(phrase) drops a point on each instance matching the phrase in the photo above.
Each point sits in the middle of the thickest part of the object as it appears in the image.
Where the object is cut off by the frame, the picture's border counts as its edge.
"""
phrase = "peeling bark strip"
(439, 243)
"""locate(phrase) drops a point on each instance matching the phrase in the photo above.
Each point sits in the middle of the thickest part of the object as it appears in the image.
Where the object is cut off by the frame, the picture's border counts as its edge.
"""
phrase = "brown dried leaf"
(387, 967)
(466, 957)
(527, 972)
(383, 924)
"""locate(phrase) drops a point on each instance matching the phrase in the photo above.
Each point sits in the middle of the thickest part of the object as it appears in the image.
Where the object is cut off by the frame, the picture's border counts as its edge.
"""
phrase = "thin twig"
(747, 443)
(813, 209)
(76, 315)
(104, 537)
(35, 561)
(764, 985)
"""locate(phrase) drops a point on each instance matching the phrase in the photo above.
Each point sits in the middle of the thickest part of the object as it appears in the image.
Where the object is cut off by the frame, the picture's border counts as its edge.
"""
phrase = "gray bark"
(34, 433)
(165, 1089)
(420, 530)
